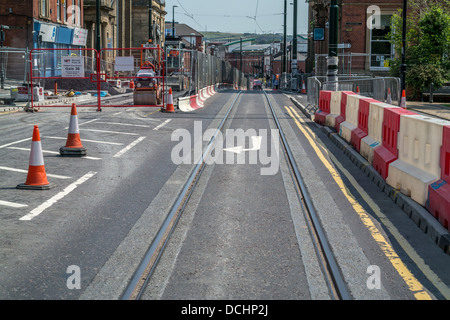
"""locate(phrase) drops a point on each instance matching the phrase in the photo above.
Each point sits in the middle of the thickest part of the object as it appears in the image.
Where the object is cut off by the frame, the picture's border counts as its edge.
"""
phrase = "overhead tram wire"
(190, 15)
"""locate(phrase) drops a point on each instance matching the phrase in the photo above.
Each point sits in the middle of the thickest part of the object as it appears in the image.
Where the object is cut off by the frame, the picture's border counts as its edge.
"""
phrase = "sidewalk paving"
(433, 109)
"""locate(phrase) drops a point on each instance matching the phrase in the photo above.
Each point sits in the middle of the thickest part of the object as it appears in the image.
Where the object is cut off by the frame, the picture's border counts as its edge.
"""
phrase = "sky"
(238, 16)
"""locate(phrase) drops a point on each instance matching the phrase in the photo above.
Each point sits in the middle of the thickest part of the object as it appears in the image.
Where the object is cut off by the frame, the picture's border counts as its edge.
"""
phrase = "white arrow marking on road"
(256, 143)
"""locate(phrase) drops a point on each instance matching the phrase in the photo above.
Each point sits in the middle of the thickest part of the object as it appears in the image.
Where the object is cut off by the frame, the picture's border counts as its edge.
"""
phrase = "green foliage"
(427, 46)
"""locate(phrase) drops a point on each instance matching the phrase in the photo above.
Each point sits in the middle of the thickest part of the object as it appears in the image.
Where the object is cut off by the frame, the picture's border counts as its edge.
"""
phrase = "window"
(44, 8)
(65, 10)
(74, 12)
(381, 49)
(58, 10)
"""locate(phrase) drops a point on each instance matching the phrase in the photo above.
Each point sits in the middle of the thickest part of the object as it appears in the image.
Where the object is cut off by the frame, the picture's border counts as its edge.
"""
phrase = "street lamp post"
(173, 20)
(150, 20)
(332, 61)
(240, 54)
(283, 58)
(294, 42)
(2, 38)
(97, 25)
(403, 65)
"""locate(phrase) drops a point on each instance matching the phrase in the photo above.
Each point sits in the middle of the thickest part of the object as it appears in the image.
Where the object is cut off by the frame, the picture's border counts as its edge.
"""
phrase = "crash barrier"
(194, 102)
(362, 128)
(374, 133)
(411, 152)
(387, 152)
(419, 154)
(324, 107)
(351, 117)
(439, 192)
(335, 109)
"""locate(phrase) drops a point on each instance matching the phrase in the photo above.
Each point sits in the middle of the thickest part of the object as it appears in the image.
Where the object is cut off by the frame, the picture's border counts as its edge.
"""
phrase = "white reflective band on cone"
(73, 124)
(36, 158)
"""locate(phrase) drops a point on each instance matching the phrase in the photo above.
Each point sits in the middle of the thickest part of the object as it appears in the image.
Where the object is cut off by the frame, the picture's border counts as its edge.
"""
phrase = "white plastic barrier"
(184, 104)
(375, 127)
(351, 117)
(195, 102)
(335, 109)
(419, 152)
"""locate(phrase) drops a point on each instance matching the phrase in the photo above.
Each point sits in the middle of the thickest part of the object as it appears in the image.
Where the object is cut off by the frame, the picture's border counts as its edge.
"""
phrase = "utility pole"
(333, 33)
(240, 55)
(294, 42)
(97, 26)
(173, 20)
(2, 39)
(403, 65)
(283, 58)
(150, 20)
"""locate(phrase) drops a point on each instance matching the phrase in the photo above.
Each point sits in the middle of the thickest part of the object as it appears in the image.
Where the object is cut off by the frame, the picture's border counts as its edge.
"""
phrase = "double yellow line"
(413, 284)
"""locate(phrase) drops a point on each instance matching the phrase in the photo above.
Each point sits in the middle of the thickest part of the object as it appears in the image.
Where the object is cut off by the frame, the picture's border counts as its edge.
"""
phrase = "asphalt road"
(243, 235)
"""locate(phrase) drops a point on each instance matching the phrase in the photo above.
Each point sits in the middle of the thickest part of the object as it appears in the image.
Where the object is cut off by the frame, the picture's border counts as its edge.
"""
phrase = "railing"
(385, 89)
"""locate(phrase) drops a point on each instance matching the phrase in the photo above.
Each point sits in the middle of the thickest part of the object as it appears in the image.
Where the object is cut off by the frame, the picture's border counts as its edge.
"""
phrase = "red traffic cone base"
(36, 178)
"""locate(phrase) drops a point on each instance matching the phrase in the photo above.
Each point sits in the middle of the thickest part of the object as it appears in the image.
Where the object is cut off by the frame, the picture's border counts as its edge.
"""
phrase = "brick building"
(43, 23)
(363, 50)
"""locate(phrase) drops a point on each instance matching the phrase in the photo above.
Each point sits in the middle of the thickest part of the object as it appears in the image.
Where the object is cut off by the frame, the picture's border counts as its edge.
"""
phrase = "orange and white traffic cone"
(169, 107)
(303, 87)
(403, 102)
(389, 97)
(357, 90)
(73, 147)
(36, 178)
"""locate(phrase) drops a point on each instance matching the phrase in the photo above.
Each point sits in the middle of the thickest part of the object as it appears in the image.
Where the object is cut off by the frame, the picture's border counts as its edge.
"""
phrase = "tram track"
(330, 269)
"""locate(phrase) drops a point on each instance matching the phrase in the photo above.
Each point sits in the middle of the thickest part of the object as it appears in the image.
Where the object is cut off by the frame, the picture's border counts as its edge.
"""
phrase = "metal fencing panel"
(65, 73)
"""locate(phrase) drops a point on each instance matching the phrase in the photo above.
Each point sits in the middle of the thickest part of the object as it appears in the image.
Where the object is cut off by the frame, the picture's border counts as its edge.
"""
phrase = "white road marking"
(162, 124)
(47, 204)
(87, 140)
(114, 132)
(128, 147)
(15, 142)
(125, 124)
(256, 145)
(26, 171)
(80, 124)
(12, 204)
(53, 152)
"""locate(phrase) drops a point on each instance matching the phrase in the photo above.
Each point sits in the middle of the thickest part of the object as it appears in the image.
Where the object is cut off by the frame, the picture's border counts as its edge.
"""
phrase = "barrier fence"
(82, 72)
(384, 89)
(411, 152)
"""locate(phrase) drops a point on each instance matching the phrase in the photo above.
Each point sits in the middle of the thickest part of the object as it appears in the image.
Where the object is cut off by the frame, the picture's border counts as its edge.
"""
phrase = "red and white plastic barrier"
(194, 102)
(410, 151)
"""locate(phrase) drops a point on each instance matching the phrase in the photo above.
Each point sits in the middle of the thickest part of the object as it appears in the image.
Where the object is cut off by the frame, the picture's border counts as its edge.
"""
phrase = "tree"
(427, 46)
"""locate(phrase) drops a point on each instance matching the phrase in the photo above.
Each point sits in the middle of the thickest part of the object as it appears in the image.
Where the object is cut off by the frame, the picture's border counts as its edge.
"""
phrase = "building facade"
(363, 29)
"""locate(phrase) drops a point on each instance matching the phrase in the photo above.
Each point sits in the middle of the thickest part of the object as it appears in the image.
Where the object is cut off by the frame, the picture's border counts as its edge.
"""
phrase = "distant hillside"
(259, 38)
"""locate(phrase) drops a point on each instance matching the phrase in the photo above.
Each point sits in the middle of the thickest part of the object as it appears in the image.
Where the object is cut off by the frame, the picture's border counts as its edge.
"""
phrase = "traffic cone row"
(37, 177)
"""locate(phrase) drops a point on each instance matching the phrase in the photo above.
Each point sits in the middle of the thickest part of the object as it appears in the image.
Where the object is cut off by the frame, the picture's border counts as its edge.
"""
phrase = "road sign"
(72, 67)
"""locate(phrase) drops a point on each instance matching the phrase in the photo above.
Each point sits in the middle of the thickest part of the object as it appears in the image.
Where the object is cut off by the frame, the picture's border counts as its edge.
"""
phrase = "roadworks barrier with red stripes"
(406, 154)
(197, 101)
